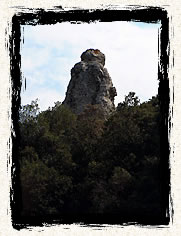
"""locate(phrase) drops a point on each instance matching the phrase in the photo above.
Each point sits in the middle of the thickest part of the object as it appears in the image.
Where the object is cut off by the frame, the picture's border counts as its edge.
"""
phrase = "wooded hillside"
(85, 164)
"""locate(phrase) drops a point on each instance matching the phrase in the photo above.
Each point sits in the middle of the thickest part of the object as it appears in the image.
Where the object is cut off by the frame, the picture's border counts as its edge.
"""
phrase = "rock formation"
(90, 84)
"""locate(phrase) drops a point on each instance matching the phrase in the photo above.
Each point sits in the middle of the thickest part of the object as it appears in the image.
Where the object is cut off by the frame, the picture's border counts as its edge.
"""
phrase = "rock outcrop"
(90, 84)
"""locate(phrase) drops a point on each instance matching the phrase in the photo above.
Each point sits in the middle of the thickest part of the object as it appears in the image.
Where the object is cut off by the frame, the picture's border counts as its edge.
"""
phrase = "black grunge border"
(58, 14)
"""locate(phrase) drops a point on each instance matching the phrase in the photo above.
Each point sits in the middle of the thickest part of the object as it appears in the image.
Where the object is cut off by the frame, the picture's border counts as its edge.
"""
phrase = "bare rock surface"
(90, 84)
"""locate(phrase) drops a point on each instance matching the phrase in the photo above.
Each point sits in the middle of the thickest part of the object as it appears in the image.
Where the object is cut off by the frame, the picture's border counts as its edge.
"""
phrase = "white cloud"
(46, 97)
(33, 57)
(131, 54)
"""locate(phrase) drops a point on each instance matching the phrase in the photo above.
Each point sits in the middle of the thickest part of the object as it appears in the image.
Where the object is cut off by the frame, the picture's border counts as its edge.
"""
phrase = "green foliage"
(43, 188)
(86, 164)
(29, 112)
(130, 101)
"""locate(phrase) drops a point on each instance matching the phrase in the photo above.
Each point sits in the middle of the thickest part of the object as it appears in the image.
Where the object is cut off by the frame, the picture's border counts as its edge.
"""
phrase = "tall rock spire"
(90, 84)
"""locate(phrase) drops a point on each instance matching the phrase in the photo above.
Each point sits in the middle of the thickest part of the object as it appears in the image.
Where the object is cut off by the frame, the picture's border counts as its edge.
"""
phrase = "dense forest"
(85, 164)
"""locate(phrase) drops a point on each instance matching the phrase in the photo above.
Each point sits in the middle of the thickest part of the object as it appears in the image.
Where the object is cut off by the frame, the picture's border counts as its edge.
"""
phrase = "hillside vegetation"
(85, 164)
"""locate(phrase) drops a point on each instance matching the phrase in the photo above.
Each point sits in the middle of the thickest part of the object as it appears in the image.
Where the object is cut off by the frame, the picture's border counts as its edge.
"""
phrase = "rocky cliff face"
(90, 84)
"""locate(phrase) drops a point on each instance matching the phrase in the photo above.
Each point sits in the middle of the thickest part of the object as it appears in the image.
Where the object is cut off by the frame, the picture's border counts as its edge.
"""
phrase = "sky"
(48, 52)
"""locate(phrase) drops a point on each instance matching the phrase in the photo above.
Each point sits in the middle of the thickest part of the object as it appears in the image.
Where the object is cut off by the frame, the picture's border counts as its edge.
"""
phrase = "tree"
(44, 190)
(29, 112)
(130, 100)
(28, 123)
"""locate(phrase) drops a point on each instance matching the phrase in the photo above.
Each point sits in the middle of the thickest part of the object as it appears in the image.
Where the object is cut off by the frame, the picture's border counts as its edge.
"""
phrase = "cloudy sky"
(50, 51)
